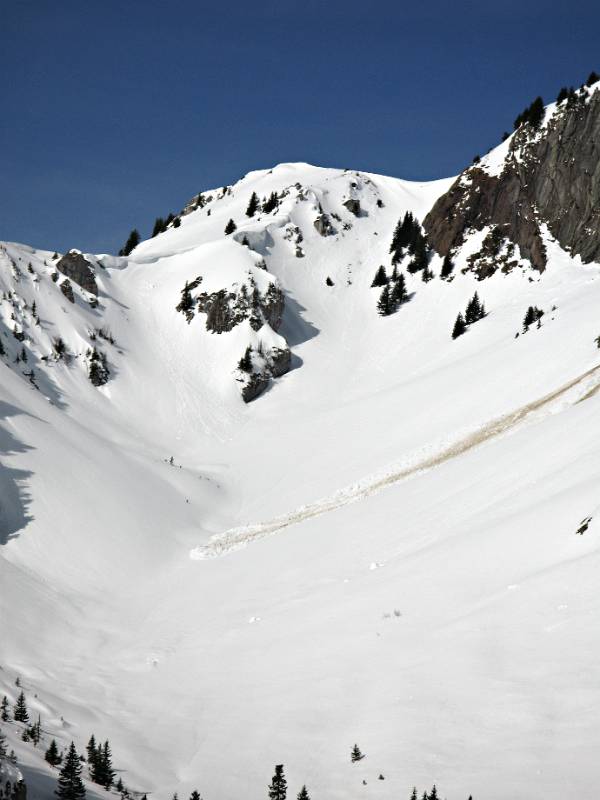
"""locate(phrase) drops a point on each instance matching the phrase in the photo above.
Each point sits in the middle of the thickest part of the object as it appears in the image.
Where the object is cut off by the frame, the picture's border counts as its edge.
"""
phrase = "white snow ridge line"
(588, 384)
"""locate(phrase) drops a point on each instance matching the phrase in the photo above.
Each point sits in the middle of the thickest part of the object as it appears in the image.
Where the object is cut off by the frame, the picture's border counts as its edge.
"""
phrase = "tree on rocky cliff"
(447, 266)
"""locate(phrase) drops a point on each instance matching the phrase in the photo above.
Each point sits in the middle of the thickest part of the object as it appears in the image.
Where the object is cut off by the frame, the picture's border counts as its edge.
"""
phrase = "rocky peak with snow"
(546, 174)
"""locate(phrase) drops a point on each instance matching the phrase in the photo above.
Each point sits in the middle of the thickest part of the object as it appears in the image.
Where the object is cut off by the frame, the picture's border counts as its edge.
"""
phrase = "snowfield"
(382, 548)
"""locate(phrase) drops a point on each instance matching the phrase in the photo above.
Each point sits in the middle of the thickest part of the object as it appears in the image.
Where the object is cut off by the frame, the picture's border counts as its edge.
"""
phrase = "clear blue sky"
(115, 112)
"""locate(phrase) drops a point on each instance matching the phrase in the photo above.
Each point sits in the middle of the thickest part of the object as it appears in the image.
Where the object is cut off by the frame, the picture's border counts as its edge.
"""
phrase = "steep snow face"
(382, 548)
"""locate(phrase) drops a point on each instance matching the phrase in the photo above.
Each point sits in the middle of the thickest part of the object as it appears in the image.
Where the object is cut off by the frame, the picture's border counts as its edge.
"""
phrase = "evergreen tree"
(131, 243)
(70, 785)
(107, 772)
(91, 750)
(384, 304)
(271, 203)
(20, 712)
(356, 755)
(472, 311)
(160, 226)
(380, 278)
(119, 787)
(230, 227)
(195, 795)
(177, 222)
(592, 79)
(2, 747)
(278, 787)
(252, 205)
(303, 794)
(427, 275)
(52, 755)
(2, 350)
(420, 258)
(245, 362)
(186, 304)
(399, 294)
(459, 327)
(4, 715)
(414, 794)
(562, 95)
(447, 266)
(433, 795)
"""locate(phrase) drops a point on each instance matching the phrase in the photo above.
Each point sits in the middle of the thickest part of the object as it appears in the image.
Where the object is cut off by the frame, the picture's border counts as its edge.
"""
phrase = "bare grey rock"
(552, 178)
(353, 206)
(74, 266)
(323, 225)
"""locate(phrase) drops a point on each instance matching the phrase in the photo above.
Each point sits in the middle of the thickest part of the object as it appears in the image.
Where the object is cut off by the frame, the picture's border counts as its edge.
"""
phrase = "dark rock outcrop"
(353, 206)
(255, 385)
(74, 266)
(67, 290)
(323, 225)
(224, 310)
(551, 176)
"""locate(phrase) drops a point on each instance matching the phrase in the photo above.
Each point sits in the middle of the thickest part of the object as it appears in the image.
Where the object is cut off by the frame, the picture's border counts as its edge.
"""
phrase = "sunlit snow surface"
(381, 549)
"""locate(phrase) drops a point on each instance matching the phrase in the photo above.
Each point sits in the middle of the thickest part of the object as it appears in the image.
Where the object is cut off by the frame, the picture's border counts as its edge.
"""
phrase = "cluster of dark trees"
(532, 115)
(532, 315)
(408, 237)
(245, 362)
(393, 293)
(474, 312)
(161, 225)
(132, 242)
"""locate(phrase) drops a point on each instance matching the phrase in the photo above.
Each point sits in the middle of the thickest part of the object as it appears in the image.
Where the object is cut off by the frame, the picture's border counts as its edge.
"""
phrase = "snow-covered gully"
(577, 390)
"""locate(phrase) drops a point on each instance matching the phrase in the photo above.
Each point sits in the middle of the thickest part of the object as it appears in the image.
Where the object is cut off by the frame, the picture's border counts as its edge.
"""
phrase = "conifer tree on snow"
(92, 750)
(271, 203)
(459, 327)
(195, 795)
(70, 785)
(433, 795)
(2, 747)
(420, 258)
(245, 362)
(131, 243)
(356, 754)
(230, 227)
(160, 226)
(380, 278)
(303, 794)
(4, 709)
(20, 712)
(399, 294)
(447, 266)
(474, 310)
(252, 205)
(52, 755)
(414, 794)
(384, 304)
(278, 786)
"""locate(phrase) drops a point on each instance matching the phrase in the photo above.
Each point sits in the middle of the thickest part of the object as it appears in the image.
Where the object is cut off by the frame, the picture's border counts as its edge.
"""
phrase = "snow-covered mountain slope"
(380, 548)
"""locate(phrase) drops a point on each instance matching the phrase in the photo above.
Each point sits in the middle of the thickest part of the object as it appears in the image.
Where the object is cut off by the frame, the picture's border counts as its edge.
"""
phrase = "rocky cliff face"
(73, 265)
(548, 175)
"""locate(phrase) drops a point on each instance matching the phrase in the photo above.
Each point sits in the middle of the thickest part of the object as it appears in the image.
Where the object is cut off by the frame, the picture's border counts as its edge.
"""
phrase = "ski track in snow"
(588, 385)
